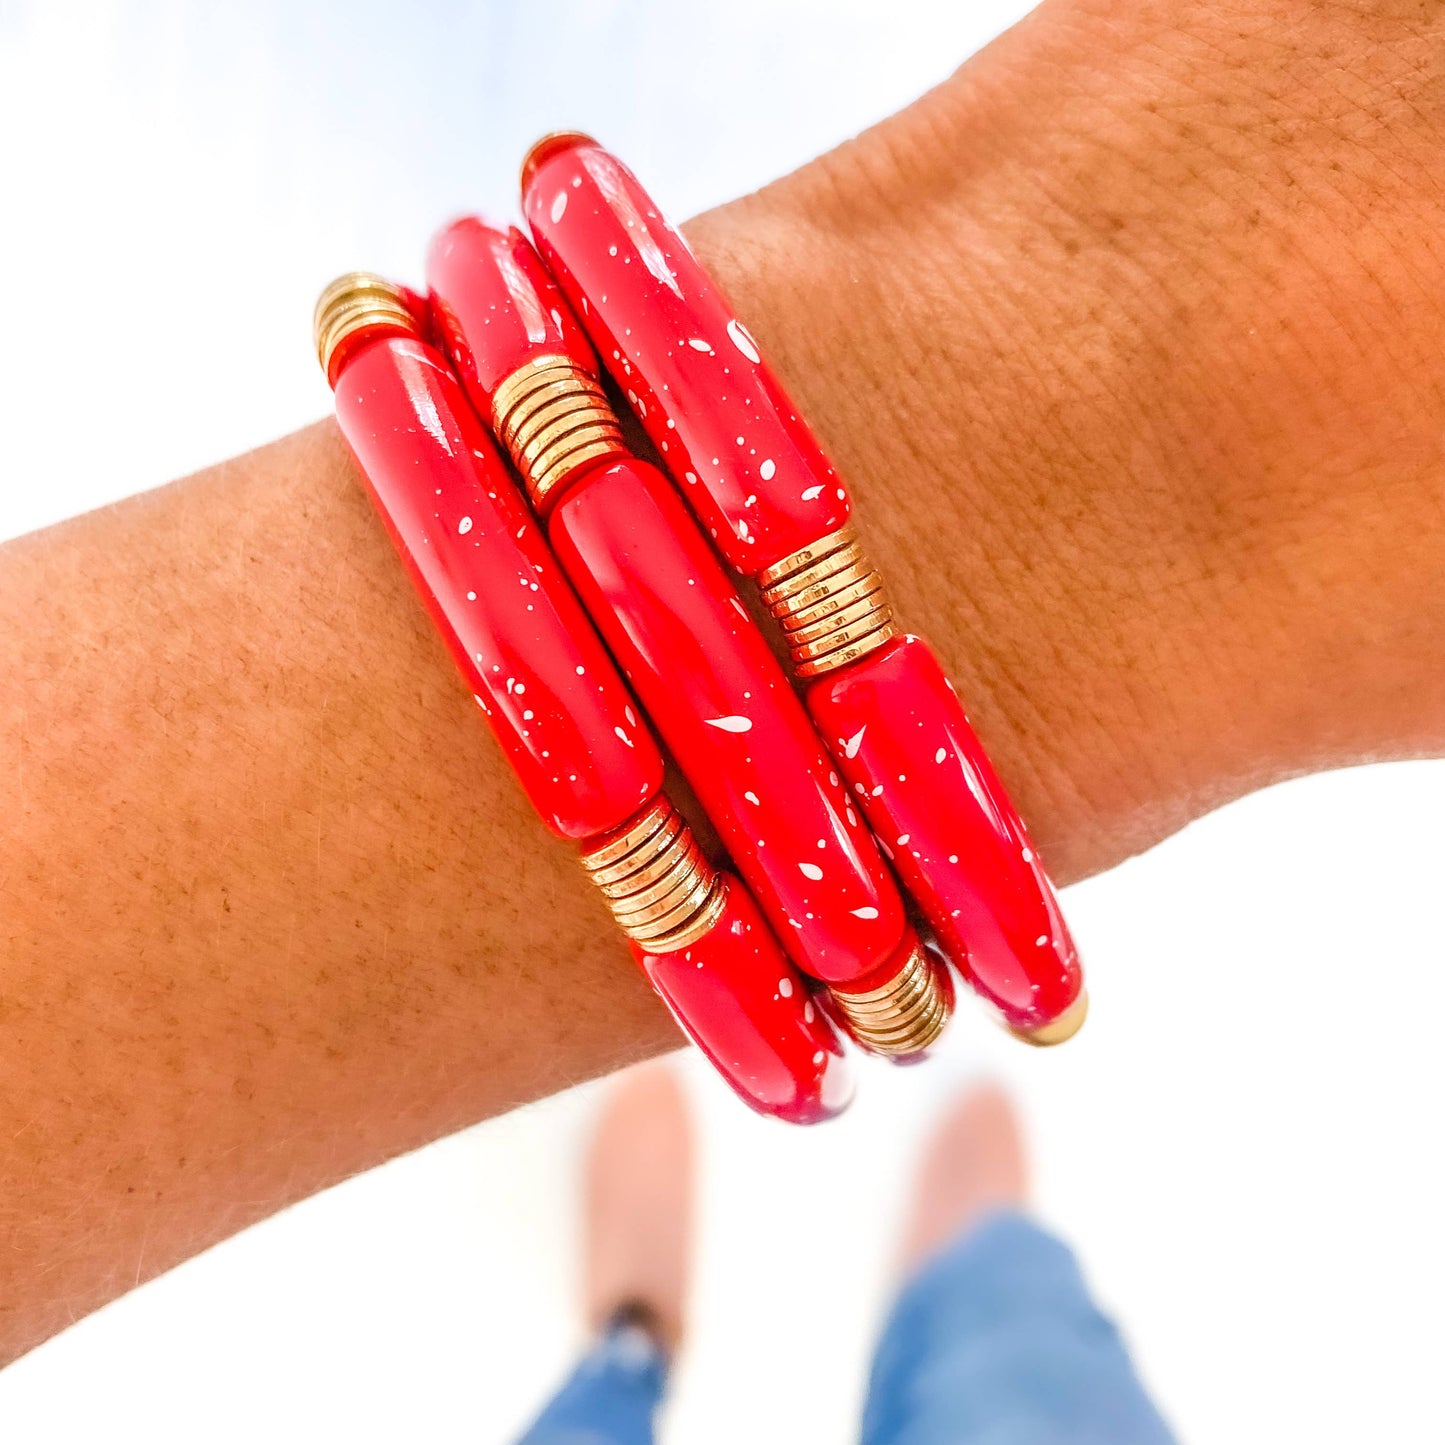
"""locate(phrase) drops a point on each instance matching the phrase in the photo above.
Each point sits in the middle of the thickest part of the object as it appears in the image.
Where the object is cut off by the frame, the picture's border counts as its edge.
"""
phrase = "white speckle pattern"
(768, 469)
(903, 839)
(811, 494)
(809, 1012)
(1028, 855)
(559, 205)
(737, 334)
(464, 526)
(819, 1057)
(623, 736)
(850, 748)
(868, 912)
(939, 756)
(730, 724)
(698, 344)
(785, 987)
(811, 870)
(580, 670)
(752, 798)
(1041, 941)
(471, 596)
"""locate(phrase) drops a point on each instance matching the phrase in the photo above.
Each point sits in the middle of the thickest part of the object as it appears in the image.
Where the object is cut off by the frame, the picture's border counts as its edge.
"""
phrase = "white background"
(1243, 1142)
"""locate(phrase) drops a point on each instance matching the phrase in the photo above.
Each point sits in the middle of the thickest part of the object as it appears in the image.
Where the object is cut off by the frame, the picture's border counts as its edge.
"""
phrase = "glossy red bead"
(496, 307)
(724, 427)
(727, 712)
(749, 1010)
(532, 660)
(902, 741)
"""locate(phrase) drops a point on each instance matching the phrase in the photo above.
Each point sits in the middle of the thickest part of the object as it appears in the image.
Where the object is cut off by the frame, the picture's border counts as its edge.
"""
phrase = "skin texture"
(1128, 341)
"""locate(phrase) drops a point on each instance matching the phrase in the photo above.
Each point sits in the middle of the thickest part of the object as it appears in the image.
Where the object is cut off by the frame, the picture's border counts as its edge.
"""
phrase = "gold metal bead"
(840, 634)
(553, 417)
(358, 301)
(657, 899)
(830, 603)
(849, 555)
(851, 653)
(692, 916)
(806, 556)
(1061, 1029)
(905, 1015)
(658, 883)
(833, 603)
(620, 844)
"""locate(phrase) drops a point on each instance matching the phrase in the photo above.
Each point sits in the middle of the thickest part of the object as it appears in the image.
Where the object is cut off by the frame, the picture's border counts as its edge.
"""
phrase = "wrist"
(1136, 428)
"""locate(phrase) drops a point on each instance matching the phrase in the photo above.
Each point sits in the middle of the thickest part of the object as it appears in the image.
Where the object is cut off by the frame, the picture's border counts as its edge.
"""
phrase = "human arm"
(1127, 342)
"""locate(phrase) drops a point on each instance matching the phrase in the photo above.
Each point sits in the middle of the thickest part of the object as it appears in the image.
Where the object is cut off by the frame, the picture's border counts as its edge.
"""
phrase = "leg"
(612, 1395)
(638, 1215)
(994, 1340)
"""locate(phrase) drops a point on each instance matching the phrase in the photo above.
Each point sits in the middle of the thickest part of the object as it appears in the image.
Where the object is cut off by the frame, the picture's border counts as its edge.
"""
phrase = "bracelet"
(756, 476)
(683, 638)
(607, 576)
(557, 706)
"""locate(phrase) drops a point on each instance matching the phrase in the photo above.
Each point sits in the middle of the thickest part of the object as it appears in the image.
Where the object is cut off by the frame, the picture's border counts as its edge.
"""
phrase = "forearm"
(274, 910)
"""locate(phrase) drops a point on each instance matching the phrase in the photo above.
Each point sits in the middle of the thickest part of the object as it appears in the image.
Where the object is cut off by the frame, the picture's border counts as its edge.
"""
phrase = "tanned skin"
(1128, 339)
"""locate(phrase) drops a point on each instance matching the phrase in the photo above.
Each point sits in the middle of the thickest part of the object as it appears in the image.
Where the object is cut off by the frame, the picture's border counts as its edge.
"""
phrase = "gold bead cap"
(830, 603)
(1060, 1030)
(553, 417)
(356, 302)
(660, 887)
(905, 1015)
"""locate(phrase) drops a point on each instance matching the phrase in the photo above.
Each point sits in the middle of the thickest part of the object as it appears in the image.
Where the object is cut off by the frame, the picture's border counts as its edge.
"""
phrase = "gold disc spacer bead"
(553, 417)
(905, 1015)
(657, 882)
(358, 301)
(830, 603)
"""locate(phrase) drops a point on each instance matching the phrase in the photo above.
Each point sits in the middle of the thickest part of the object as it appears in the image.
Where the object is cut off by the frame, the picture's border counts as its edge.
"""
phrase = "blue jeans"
(994, 1341)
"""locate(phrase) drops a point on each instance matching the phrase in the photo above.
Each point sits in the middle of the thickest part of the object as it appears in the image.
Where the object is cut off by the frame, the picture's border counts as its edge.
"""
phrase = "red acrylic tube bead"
(485, 285)
(737, 997)
(937, 806)
(525, 647)
(728, 713)
(755, 475)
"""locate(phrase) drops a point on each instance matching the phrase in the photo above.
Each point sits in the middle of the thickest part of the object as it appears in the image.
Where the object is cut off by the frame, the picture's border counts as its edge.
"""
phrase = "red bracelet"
(674, 621)
(561, 713)
(757, 478)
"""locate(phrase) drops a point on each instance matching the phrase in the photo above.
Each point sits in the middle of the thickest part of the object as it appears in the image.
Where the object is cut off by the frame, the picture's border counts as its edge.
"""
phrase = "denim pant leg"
(610, 1398)
(996, 1342)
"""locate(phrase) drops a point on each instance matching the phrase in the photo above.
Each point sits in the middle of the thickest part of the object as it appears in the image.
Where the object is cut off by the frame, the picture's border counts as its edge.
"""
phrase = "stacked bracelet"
(557, 706)
(685, 641)
(813, 925)
(755, 475)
